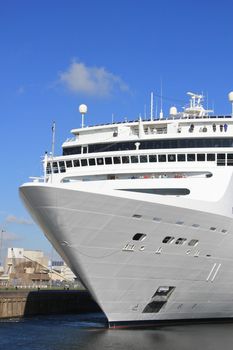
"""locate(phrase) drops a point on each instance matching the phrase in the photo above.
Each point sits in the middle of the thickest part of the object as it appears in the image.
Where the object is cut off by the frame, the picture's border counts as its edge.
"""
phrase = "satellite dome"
(230, 96)
(173, 110)
(83, 109)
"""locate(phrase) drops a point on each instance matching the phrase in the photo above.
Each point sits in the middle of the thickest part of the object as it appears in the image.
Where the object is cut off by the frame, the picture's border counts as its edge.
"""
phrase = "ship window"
(125, 159)
(151, 144)
(143, 159)
(108, 160)
(193, 242)
(152, 158)
(181, 241)
(221, 159)
(69, 164)
(134, 159)
(191, 157)
(117, 160)
(100, 161)
(201, 157)
(62, 167)
(162, 157)
(181, 157)
(71, 150)
(84, 162)
(55, 167)
(48, 169)
(230, 159)
(168, 239)
(84, 149)
(138, 216)
(76, 162)
(171, 157)
(210, 157)
(139, 237)
(92, 161)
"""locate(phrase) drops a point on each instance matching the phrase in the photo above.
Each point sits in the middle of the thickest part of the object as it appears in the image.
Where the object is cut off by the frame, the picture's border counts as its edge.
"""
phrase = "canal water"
(89, 332)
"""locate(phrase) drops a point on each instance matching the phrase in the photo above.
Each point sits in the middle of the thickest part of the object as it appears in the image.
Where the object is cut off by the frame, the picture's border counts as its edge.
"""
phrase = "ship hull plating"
(145, 280)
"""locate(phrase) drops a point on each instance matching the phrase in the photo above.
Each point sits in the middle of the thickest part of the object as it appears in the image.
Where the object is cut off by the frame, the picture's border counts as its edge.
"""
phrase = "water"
(89, 332)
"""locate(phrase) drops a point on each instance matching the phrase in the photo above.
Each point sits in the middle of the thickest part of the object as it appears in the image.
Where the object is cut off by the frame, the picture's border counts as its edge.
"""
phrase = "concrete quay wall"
(29, 303)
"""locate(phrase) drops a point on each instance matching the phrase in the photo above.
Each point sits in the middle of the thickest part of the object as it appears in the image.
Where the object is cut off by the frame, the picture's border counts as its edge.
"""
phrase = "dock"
(45, 302)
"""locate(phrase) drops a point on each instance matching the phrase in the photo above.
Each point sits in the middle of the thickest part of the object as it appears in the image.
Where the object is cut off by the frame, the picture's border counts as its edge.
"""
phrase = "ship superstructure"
(142, 212)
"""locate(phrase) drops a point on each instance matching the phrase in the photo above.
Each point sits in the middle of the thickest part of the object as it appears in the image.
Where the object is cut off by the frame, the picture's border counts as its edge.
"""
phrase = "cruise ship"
(142, 212)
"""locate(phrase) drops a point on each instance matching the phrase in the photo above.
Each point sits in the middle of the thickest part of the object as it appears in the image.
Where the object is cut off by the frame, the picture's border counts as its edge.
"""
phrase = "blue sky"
(109, 54)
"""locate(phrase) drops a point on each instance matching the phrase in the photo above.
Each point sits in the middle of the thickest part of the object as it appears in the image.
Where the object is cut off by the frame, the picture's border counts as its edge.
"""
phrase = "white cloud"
(94, 81)
(20, 221)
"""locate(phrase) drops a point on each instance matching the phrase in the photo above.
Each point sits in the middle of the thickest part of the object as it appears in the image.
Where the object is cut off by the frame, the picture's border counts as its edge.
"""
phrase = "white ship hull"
(91, 225)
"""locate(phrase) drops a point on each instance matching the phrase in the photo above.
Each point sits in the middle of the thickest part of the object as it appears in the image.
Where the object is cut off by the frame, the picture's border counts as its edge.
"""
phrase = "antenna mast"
(83, 111)
(53, 137)
(151, 105)
(161, 100)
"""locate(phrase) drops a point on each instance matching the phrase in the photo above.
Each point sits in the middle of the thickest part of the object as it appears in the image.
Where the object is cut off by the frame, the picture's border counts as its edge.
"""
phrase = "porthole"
(117, 160)
(134, 159)
(171, 157)
(201, 157)
(125, 159)
(181, 157)
(143, 159)
(100, 161)
(191, 157)
(92, 161)
(210, 157)
(84, 162)
(152, 158)
(108, 160)
(162, 157)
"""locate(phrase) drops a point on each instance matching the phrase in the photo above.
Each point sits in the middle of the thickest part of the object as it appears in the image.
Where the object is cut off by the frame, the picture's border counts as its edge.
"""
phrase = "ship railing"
(36, 178)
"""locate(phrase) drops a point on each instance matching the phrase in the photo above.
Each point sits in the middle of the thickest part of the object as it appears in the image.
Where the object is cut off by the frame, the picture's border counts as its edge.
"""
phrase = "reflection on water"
(88, 332)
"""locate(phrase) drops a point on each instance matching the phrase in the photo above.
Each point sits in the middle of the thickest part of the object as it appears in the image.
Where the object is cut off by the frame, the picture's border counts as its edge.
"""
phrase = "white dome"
(83, 109)
(173, 110)
(230, 96)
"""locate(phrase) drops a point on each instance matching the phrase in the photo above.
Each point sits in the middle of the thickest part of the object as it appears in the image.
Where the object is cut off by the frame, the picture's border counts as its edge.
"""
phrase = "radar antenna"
(83, 111)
